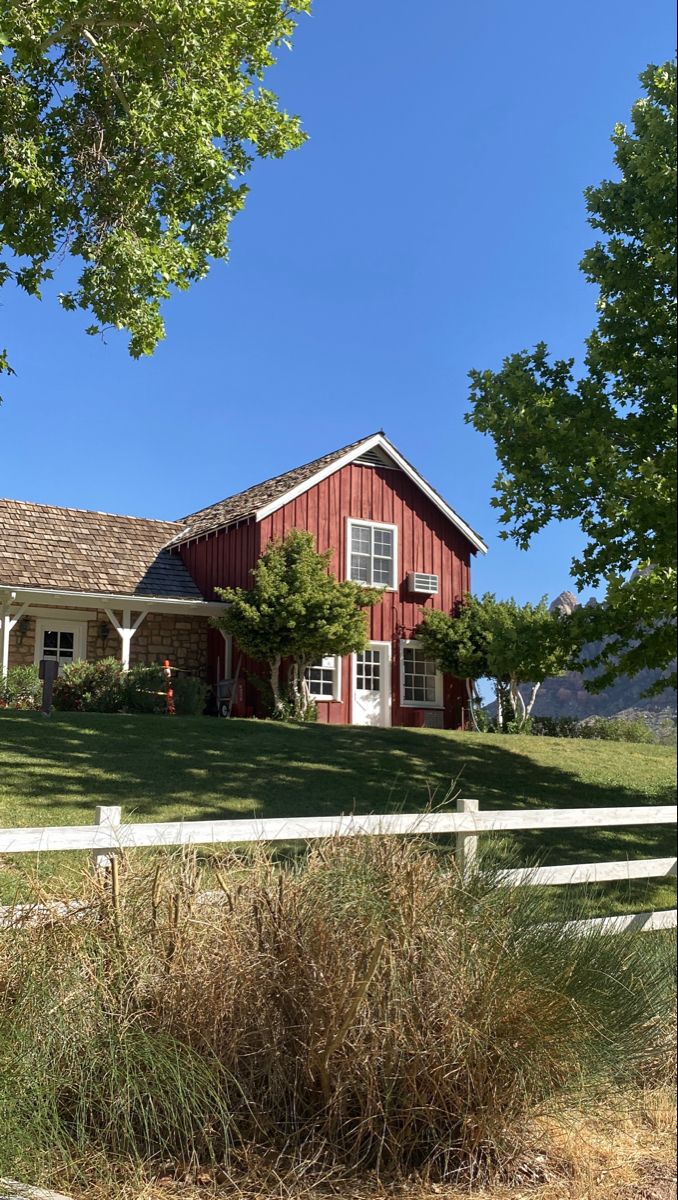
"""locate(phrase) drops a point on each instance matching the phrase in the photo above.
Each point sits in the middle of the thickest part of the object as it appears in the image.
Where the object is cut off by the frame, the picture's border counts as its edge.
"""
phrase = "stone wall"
(182, 639)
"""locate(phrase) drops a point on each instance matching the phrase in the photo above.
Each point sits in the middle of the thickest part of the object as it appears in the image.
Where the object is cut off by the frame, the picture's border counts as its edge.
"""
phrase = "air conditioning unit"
(422, 584)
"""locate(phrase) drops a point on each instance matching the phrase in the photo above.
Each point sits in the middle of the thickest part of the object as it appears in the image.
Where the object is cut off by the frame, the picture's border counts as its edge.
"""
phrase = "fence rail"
(109, 832)
(109, 835)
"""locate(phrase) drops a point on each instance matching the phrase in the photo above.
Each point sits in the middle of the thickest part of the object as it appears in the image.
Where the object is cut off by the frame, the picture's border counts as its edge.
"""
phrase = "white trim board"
(17, 594)
(377, 440)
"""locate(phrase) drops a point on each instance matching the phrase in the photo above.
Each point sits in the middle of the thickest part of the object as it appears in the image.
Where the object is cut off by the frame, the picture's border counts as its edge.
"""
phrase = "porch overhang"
(17, 601)
(62, 598)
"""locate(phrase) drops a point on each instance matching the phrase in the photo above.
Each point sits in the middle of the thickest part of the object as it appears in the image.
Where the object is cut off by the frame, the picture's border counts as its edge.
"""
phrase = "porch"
(38, 623)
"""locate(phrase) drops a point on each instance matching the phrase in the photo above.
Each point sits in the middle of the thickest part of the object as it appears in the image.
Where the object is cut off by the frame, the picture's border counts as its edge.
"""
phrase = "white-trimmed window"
(421, 684)
(372, 553)
(324, 678)
(64, 641)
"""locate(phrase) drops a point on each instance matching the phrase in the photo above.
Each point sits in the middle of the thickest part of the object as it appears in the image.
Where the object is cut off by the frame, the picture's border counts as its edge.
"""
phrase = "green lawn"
(54, 773)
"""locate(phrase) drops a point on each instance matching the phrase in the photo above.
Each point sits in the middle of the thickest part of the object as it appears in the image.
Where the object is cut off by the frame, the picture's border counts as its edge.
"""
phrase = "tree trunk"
(518, 703)
(533, 697)
(472, 694)
(275, 684)
(500, 704)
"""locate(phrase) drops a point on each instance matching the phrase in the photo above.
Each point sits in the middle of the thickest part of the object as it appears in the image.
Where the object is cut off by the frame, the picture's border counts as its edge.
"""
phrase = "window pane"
(368, 671)
(419, 677)
(361, 541)
(321, 677)
(51, 639)
(383, 542)
(360, 568)
(383, 572)
(65, 641)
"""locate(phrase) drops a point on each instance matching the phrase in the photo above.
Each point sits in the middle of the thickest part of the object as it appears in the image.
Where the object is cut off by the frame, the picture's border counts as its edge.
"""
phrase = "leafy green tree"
(126, 131)
(501, 640)
(602, 448)
(298, 611)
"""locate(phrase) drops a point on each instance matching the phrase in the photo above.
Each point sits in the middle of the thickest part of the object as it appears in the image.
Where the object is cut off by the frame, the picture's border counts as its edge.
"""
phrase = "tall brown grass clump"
(365, 1009)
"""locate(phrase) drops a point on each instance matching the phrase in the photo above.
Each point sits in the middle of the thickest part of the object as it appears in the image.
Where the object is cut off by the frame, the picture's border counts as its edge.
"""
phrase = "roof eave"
(81, 599)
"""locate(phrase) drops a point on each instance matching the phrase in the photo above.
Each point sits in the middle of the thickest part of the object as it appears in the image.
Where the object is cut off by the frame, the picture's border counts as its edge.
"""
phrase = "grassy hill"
(54, 773)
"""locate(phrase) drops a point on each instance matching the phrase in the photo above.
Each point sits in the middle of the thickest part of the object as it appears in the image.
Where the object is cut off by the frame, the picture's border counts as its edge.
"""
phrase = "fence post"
(109, 815)
(467, 843)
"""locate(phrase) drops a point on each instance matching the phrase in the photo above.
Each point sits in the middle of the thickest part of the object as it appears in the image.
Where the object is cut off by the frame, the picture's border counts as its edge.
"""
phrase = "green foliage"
(601, 449)
(103, 686)
(617, 729)
(20, 688)
(503, 641)
(190, 696)
(144, 689)
(365, 1007)
(128, 131)
(85, 686)
(603, 729)
(296, 610)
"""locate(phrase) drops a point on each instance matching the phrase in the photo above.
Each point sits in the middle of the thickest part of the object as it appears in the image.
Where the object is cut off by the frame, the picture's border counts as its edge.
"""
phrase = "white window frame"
(77, 628)
(351, 523)
(336, 688)
(413, 644)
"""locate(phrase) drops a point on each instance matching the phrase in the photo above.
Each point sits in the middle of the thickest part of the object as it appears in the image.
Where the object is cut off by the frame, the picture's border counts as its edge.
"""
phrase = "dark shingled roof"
(246, 504)
(82, 551)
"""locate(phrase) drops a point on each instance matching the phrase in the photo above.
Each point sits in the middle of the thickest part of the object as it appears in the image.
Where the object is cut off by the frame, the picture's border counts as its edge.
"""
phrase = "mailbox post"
(48, 671)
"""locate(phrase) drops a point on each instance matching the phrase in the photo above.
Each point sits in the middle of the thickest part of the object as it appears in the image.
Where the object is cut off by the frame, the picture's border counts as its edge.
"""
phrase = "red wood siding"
(223, 559)
(427, 542)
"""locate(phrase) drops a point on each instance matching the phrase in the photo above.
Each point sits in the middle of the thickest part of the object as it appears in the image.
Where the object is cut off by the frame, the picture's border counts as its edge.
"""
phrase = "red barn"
(385, 526)
(73, 581)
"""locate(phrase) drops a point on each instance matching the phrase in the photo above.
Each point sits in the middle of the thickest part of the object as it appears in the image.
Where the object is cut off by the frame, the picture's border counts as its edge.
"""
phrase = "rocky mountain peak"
(566, 602)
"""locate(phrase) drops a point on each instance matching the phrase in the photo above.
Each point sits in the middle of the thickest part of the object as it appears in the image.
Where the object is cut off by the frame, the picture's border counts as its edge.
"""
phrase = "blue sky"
(433, 223)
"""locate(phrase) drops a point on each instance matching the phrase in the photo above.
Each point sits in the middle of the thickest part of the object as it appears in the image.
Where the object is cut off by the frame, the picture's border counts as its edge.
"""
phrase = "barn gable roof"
(260, 501)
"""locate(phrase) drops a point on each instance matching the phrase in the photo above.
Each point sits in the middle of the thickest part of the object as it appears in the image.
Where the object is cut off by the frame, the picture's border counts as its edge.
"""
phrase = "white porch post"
(7, 623)
(126, 631)
(4, 638)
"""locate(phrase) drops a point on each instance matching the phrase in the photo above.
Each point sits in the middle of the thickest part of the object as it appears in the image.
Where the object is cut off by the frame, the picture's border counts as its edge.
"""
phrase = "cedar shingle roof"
(246, 504)
(71, 548)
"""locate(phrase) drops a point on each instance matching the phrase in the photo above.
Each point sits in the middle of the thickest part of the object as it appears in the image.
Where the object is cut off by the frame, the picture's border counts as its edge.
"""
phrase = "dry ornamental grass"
(362, 1015)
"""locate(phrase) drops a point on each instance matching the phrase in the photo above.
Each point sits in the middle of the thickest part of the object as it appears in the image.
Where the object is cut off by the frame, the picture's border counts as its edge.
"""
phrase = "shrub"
(616, 729)
(145, 689)
(20, 688)
(560, 727)
(85, 686)
(190, 696)
(610, 729)
(364, 1010)
(103, 686)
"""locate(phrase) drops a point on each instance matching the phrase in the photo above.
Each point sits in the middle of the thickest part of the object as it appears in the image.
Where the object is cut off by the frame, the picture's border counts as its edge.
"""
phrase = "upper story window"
(324, 678)
(421, 684)
(372, 552)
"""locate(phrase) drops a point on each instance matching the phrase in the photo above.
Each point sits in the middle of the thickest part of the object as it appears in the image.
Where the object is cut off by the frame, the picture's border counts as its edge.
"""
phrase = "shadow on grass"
(159, 769)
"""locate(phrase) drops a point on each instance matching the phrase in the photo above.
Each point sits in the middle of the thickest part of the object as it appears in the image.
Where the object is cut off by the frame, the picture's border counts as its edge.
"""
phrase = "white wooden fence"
(109, 835)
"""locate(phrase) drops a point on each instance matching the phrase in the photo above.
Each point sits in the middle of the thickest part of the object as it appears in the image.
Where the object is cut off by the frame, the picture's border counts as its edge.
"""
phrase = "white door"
(372, 685)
